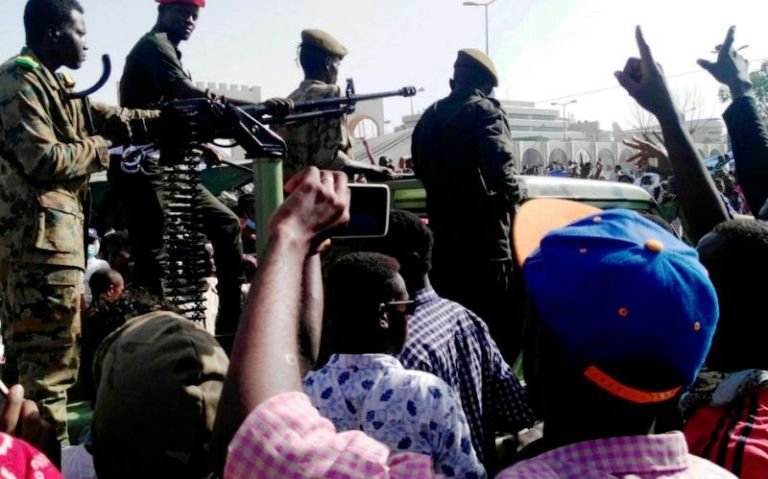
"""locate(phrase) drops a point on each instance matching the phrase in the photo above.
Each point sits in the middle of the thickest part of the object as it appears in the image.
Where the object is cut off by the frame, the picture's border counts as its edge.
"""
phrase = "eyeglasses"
(410, 306)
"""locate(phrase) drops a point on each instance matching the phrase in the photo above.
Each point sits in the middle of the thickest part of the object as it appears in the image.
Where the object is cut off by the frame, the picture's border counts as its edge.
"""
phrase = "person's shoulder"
(430, 115)
(427, 385)
(326, 88)
(151, 41)
(704, 469)
(16, 72)
(450, 312)
(314, 90)
(487, 104)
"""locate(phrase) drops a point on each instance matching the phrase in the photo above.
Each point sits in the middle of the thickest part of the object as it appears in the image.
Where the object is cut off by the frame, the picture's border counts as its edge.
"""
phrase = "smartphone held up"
(368, 210)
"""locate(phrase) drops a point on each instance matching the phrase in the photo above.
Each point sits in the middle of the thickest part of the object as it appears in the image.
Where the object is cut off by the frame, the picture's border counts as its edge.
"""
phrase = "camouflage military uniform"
(46, 159)
(323, 142)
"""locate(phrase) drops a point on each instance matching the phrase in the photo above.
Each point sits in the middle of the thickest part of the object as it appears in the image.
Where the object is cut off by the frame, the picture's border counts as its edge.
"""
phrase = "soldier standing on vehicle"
(324, 142)
(153, 73)
(462, 152)
(47, 157)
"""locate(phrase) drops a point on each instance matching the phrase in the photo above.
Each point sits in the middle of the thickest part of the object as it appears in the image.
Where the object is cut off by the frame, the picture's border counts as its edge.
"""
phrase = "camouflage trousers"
(41, 337)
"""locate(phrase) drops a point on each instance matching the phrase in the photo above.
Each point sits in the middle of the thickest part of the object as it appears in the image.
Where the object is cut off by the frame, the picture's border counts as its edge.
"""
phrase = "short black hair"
(356, 285)
(245, 204)
(407, 235)
(39, 15)
(739, 340)
(114, 242)
(101, 280)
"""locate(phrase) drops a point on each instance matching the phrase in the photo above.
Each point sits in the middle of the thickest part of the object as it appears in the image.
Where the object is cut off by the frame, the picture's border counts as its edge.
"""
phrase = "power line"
(618, 87)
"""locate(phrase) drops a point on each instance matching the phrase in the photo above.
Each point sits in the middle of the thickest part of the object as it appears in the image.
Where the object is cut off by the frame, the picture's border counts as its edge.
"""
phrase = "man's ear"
(383, 318)
(53, 33)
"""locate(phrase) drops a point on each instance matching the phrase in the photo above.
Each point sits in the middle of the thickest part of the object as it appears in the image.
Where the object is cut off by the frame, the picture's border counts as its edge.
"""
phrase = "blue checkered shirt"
(451, 342)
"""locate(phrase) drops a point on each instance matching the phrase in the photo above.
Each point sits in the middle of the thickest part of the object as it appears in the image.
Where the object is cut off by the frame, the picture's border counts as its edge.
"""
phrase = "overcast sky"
(545, 50)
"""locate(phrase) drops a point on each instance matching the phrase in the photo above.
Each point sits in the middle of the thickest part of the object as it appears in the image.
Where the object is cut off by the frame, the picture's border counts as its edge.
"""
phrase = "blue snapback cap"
(614, 286)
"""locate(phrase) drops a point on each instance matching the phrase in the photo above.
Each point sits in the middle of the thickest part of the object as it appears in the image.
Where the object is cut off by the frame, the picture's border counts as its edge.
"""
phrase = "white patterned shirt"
(404, 409)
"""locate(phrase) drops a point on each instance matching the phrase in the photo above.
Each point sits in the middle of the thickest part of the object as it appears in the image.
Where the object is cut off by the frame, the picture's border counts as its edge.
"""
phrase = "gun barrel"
(306, 116)
(329, 103)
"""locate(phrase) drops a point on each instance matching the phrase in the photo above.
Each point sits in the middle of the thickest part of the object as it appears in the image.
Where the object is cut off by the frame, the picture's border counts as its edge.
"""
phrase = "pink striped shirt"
(654, 456)
(285, 437)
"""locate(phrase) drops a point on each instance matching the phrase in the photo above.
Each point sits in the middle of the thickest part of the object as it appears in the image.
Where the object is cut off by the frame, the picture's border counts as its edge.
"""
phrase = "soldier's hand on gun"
(117, 130)
(210, 155)
(279, 106)
(730, 68)
(644, 80)
(21, 418)
(318, 201)
(645, 151)
(381, 173)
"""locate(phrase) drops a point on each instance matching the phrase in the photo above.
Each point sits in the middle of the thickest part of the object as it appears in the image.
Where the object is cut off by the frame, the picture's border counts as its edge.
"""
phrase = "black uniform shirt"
(151, 68)
(462, 152)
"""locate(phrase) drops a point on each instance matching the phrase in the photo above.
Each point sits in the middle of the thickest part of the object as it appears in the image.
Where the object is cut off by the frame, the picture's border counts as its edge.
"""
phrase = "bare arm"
(184, 88)
(699, 199)
(745, 127)
(373, 172)
(265, 357)
(21, 418)
(311, 321)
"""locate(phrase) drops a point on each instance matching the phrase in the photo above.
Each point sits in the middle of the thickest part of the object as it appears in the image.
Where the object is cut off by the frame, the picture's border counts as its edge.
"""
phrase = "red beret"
(197, 3)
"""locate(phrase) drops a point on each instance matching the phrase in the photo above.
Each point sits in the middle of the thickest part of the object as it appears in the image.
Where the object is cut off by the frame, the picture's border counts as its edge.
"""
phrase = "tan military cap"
(323, 41)
(474, 58)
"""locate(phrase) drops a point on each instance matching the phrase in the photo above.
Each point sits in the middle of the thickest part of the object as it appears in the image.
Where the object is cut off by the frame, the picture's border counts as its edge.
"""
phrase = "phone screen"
(369, 212)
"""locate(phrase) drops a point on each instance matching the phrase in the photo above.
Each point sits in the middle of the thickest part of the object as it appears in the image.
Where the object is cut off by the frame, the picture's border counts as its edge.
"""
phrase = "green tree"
(759, 79)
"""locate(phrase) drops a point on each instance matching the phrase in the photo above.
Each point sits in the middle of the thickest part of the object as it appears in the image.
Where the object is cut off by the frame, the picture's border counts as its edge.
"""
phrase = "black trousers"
(142, 198)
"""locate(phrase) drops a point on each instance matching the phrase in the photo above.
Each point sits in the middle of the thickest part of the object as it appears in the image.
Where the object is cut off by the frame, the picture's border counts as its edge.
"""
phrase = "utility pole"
(564, 106)
(484, 5)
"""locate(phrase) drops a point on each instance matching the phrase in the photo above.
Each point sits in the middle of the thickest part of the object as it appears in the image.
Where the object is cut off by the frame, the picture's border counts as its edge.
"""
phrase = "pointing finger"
(642, 45)
(729, 37)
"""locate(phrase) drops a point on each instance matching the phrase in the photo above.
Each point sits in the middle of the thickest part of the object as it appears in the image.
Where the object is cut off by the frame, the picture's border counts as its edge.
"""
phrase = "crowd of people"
(641, 350)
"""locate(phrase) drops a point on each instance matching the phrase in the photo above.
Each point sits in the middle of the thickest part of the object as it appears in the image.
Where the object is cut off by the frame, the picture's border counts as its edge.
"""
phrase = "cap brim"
(538, 217)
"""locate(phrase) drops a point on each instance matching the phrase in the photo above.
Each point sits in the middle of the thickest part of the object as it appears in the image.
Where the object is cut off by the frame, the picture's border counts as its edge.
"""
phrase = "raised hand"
(730, 68)
(645, 151)
(318, 201)
(644, 80)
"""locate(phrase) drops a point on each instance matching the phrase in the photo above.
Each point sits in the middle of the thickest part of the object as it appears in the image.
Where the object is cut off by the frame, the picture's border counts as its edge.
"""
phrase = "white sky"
(543, 49)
